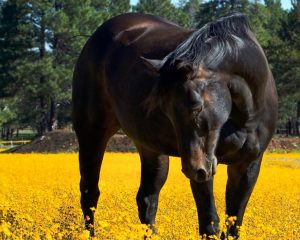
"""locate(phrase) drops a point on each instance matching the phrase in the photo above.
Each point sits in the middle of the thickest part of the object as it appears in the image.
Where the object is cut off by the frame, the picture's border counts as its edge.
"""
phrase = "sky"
(286, 4)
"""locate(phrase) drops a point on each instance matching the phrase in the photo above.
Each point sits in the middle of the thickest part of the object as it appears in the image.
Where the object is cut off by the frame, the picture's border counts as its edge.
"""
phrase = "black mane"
(210, 44)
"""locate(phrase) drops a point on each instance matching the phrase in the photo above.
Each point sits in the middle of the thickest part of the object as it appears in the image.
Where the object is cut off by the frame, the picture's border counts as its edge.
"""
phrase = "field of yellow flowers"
(39, 199)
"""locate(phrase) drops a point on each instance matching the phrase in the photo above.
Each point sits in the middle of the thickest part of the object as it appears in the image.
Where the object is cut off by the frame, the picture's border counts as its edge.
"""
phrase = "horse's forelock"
(210, 44)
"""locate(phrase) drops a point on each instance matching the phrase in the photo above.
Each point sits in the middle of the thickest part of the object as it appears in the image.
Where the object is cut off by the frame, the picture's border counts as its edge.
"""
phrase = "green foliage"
(213, 9)
(117, 7)
(165, 9)
(190, 7)
(284, 53)
(14, 41)
(7, 115)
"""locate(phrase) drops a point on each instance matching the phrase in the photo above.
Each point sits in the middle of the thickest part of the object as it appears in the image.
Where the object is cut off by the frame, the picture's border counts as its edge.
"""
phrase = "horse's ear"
(152, 64)
(182, 68)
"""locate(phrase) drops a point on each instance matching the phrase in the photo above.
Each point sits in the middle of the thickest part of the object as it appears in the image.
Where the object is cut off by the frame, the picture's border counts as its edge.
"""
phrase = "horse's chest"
(237, 144)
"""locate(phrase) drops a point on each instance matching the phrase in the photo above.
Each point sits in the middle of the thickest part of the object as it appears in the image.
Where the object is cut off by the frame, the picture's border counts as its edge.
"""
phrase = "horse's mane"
(214, 41)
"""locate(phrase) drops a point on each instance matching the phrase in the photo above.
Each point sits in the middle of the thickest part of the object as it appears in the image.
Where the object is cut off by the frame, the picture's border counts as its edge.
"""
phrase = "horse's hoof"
(225, 235)
(211, 229)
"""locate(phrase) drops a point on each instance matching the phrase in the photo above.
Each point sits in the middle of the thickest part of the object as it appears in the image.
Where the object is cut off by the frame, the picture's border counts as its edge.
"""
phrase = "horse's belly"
(156, 140)
(153, 132)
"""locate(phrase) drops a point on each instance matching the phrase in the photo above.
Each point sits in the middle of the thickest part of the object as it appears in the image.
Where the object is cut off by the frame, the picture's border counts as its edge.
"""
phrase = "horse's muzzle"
(201, 173)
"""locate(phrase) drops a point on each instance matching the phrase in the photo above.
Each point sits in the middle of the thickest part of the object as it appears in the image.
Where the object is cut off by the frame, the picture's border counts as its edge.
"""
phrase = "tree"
(260, 17)
(7, 117)
(165, 9)
(14, 42)
(287, 64)
(58, 30)
(117, 7)
(214, 9)
(190, 7)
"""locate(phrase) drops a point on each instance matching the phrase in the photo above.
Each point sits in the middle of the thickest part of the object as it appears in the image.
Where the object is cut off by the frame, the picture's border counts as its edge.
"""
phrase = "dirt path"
(65, 141)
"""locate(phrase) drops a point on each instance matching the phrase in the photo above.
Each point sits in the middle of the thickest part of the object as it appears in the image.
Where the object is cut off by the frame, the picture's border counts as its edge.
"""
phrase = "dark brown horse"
(205, 95)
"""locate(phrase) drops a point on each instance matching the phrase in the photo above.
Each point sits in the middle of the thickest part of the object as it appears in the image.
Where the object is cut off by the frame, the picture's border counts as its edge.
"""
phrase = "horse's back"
(142, 31)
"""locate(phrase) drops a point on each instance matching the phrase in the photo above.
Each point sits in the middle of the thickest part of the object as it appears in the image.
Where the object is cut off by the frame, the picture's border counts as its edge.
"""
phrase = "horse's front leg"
(242, 177)
(205, 202)
(154, 172)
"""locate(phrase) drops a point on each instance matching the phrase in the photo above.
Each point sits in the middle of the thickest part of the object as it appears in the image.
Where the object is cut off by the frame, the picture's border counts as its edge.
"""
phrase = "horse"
(205, 95)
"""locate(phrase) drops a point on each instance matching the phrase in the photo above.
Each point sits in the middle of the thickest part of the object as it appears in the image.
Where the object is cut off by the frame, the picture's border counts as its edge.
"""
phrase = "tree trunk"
(42, 99)
(7, 133)
(43, 117)
(298, 119)
(298, 110)
(52, 116)
(3, 132)
(11, 133)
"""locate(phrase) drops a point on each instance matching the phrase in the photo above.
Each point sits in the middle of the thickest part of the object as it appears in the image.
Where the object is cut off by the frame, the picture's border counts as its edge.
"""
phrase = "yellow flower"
(47, 206)
(4, 228)
(84, 235)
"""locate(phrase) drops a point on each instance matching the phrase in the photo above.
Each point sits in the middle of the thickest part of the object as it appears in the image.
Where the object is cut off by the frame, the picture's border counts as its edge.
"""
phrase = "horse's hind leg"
(92, 143)
(154, 172)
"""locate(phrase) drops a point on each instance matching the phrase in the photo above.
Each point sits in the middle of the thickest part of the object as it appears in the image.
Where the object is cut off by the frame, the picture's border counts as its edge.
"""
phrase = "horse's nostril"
(202, 174)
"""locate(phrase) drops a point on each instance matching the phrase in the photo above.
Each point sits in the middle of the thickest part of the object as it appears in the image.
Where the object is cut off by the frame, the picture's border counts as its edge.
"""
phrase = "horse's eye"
(197, 108)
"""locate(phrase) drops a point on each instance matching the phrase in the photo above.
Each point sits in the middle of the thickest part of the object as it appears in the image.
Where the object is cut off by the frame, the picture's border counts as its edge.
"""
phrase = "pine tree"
(14, 41)
(214, 9)
(163, 8)
(190, 7)
(259, 17)
(288, 73)
(117, 7)
(44, 75)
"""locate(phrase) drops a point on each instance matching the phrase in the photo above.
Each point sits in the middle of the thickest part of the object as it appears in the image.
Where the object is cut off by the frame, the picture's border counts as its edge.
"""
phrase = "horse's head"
(198, 103)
